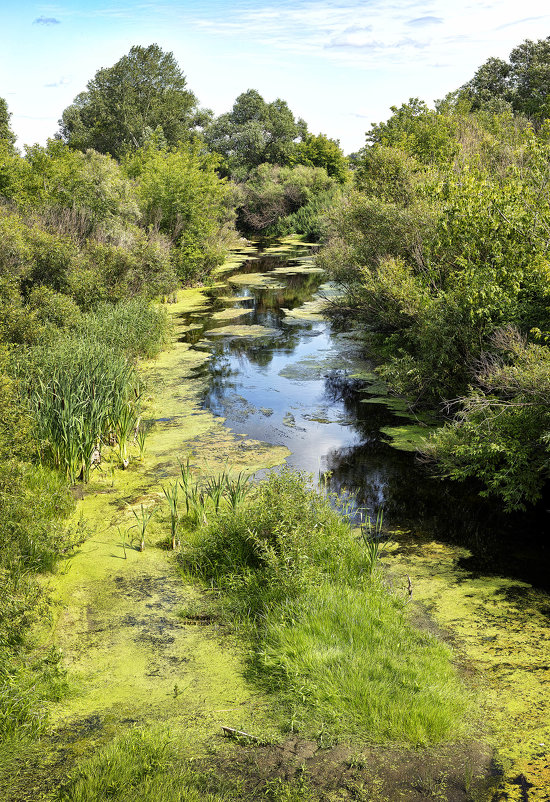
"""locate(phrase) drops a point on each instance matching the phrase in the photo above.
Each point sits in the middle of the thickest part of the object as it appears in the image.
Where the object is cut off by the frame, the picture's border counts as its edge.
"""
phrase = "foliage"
(501, 432)
(82, 194)
(326, 634)
(523, 81)
(418, 131)
(273, 193)
(255, 132)
(6, 134)
(320, 151)
(182, 196)
(144, 92)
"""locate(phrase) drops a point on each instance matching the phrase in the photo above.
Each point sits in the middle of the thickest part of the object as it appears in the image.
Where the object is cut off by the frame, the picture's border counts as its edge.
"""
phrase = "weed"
(371, 535)
(171, 495)
(143, 517)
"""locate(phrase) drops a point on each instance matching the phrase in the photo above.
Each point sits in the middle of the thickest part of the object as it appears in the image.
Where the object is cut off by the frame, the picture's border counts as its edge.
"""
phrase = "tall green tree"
(6, 134)
(523, 81)
(144, 92)
(255, 132)
(320, 151)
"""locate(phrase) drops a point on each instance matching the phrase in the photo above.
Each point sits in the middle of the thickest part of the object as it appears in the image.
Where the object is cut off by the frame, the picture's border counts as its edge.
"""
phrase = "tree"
(320, 151)
(182, 196)
(426, 134)
(490, 82)
(144, 92)
(254, 132)
(6, 134)
(524, 81)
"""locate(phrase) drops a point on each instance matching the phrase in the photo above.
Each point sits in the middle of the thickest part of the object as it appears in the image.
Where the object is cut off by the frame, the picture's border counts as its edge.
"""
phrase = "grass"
(152, 766)
(138, 764)
(328, 638)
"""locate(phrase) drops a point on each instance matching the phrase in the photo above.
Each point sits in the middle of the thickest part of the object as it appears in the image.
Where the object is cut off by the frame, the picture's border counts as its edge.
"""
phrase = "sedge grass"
(328, 638)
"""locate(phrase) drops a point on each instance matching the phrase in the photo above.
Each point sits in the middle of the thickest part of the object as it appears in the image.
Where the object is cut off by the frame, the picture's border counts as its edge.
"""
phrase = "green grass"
(328, 637)
(138, 764)
(154, 766)
(350, 663)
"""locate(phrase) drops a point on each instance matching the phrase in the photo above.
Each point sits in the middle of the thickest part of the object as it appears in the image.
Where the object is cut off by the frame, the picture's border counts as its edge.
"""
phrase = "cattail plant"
(236, 489)
(142, 517)
(78, 392)
(171, 494)
(371, 535)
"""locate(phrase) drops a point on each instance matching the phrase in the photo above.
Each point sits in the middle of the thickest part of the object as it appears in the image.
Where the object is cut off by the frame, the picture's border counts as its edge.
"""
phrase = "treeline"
(441, 247)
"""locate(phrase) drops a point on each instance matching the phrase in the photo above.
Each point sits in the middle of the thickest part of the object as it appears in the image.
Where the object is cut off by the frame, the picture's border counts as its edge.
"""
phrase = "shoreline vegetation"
(289, 626)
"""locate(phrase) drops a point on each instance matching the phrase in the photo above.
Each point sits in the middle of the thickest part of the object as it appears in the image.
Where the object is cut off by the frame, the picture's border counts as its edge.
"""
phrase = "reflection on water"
(295, 387)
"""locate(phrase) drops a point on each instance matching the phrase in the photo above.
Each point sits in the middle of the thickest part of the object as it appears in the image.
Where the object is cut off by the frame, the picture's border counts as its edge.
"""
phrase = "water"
(294, 385)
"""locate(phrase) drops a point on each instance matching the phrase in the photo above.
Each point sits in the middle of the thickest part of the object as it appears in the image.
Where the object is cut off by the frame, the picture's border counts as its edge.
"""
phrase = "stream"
(279, 373)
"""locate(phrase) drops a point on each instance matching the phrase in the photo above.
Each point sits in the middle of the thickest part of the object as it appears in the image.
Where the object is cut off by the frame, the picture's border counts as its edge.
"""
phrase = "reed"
(372, 536)
(143, 518)
(78, 392)
(171, 495)
(237, 489)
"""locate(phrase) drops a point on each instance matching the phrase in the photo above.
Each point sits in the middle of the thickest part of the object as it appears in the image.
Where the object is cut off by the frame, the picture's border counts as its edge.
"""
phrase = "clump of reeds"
(82, 394)
(199, 493)
(372, 536)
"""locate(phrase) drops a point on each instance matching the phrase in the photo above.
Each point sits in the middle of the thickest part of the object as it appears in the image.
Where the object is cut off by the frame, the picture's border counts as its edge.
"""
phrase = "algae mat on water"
(129, 656)
(500, 628)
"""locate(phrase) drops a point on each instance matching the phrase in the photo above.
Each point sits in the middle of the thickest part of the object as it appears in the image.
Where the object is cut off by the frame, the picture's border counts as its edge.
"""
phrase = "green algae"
(257, 280)
(230, 314)
(500, 631)
(243, 331)
(407, 438)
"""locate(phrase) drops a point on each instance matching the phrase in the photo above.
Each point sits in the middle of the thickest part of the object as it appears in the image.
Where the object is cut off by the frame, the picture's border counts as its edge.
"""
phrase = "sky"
(339, 64)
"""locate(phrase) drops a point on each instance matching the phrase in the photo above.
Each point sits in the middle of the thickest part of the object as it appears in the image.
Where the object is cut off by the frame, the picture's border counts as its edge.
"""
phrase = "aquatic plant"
(171, 495)
(78, 391)
(237, 488)
(371, 535)
(142, 517)
(215, 488)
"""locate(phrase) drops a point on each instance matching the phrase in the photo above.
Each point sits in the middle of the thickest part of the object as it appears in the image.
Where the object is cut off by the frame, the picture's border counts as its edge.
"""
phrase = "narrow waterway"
(278, 372)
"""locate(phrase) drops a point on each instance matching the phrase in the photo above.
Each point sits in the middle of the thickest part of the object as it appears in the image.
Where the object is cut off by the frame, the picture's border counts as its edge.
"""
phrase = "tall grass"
(139, 764)
(328, 637)
(77, 391)
(133, 327)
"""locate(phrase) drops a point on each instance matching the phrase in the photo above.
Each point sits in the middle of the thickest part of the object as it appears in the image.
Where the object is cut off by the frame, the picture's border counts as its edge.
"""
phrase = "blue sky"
(340, 64)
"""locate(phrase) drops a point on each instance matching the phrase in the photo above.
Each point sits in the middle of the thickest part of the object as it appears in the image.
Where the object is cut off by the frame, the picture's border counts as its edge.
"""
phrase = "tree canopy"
(143, 93)
(524, 81)
(6, 134)
(255, 132)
